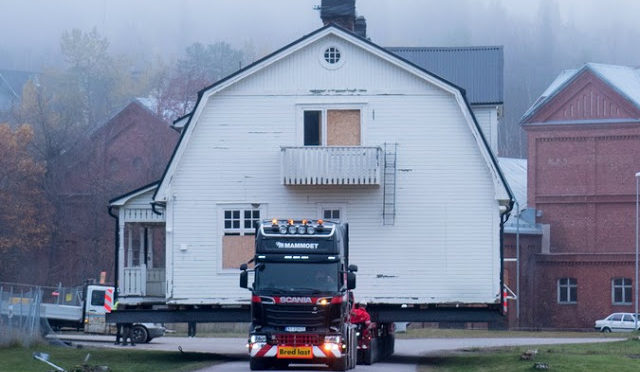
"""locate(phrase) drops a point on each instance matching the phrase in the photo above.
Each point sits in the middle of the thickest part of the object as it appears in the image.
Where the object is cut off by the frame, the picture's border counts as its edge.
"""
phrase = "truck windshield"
(299, 277)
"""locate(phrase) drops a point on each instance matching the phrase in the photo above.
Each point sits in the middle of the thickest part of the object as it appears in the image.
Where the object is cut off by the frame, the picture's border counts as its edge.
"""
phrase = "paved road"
(406, 357)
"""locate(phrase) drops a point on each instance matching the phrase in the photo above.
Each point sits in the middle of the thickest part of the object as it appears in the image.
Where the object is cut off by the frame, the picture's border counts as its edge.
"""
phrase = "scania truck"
(301, 298)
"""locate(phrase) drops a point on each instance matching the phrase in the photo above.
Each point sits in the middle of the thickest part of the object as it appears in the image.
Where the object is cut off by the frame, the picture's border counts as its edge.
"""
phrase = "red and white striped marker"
(108, 299)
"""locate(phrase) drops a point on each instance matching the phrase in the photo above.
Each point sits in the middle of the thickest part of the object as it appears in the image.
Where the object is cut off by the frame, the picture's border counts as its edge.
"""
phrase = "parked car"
(617, 322)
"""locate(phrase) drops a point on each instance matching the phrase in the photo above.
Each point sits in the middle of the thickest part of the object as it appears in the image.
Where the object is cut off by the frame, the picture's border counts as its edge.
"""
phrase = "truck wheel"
(139, 334)
(257, 364)
(341, 364)
(370, 353)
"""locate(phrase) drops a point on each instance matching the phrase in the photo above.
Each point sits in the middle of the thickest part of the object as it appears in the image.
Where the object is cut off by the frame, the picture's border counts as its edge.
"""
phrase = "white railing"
(155, 282)
(137, 283)
(314, 165)
(133, 283)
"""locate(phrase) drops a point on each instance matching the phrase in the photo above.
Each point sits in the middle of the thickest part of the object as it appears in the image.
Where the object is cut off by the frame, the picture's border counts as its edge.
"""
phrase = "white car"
(617, 322)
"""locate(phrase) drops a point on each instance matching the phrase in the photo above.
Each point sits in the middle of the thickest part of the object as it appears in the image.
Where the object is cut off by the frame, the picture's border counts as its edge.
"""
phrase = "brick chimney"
(340, 12)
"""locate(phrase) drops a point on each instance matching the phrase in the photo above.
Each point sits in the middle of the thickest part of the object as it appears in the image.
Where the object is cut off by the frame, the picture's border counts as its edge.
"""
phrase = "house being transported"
(330, 126)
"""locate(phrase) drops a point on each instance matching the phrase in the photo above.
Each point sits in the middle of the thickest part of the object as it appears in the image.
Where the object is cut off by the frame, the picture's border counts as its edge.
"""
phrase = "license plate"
(295, 329)
(303, 352)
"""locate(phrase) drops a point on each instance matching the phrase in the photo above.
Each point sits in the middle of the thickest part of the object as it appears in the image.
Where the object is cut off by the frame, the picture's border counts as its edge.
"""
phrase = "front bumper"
(318, 353)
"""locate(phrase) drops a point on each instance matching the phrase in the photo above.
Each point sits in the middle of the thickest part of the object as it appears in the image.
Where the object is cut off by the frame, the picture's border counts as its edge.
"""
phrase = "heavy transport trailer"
(294, 319)
(301, 300)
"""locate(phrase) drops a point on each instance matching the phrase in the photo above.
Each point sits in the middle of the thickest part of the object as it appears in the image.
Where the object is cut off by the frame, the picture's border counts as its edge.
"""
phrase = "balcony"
(314, 165)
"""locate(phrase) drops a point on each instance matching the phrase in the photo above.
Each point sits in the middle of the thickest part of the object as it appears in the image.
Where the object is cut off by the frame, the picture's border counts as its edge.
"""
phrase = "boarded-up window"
(238, 239)
(236, 250)
(343, 127)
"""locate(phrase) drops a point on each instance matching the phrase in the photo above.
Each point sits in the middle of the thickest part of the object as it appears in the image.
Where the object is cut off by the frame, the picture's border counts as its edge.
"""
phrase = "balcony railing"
(313, 165)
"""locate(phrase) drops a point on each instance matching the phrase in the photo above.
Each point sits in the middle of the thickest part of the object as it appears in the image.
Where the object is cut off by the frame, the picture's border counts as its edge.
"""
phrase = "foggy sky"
(30, 29)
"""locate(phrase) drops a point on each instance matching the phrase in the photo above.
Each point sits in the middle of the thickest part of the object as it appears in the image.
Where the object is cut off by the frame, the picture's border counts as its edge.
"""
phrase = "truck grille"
(295, 339)
(295, 315)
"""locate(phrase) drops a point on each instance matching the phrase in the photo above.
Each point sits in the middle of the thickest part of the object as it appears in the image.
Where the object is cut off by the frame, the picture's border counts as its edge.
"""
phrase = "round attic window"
(332, 55)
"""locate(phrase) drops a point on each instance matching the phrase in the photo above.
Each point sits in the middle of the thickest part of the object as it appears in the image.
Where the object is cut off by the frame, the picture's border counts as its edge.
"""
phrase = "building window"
(567, 291)
(238, 236)
(332, 55)
(312, 128)
(331, 214)
(240, 221)
(332, 127)
(621, 291)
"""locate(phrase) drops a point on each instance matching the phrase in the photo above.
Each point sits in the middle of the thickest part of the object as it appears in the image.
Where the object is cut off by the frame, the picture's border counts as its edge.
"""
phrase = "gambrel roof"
(503, 193)
(476, 69)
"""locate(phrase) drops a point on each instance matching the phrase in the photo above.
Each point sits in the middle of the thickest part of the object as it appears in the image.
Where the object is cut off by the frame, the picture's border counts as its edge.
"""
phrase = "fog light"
(292, 229)
(283, 229)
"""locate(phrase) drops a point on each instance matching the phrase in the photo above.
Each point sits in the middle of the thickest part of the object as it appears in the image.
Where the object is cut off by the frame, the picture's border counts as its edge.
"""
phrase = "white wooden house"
(330, 126)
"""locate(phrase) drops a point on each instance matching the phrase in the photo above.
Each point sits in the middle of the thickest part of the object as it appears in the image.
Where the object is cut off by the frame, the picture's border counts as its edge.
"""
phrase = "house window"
(335, 127)
(238, 236)
(567, 291)
(331, 214)
(334, 212)
(332, 55)
(312, 128)
(621, 291)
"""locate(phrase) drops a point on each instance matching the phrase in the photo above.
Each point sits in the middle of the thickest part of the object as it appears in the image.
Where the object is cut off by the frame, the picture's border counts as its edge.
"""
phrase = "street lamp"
(636, 271)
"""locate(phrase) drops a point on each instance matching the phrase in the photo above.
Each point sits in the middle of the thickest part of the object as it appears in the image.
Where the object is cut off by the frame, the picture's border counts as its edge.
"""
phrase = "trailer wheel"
(139, 334)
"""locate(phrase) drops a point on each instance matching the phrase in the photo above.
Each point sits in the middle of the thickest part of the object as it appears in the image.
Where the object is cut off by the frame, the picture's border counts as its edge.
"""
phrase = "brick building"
(127, 151)
(584, 150)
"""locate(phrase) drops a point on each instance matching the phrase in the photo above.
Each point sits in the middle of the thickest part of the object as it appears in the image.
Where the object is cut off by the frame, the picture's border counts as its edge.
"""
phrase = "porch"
(141, 248)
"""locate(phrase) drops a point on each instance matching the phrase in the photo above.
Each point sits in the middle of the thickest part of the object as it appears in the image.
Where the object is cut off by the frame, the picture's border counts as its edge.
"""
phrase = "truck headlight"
(258, 339)
(302, 229)
(311, 230)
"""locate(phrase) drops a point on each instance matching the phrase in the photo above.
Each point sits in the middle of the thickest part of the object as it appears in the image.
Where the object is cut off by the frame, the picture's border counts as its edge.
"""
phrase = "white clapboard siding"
(444, 245)
(487, 117)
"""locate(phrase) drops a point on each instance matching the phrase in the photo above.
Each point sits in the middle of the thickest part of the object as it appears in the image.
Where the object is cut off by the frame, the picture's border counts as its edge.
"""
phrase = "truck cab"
(300, 300)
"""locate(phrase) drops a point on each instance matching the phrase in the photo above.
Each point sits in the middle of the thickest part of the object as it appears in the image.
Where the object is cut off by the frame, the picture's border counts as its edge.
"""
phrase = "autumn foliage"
(25, 218)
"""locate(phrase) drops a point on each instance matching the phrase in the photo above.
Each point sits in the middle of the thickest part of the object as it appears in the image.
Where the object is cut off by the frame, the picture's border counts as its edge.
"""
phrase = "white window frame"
(625, 301)
(567, 288)
(323, 108)
(342, 207)
(221, 208)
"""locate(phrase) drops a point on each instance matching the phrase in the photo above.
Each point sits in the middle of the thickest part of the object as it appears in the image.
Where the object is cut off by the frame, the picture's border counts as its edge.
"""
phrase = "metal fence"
(21, 320)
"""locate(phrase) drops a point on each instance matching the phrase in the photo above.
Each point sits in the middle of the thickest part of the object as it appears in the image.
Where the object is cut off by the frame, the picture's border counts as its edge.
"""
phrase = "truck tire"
(341, 364)
(257, 364)
(369, 354)
(139, 334)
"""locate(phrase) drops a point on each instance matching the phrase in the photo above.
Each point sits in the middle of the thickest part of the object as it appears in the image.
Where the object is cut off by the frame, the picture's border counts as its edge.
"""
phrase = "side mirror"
(243, 267)
(353, 268)
(244, 279)
(351, 281)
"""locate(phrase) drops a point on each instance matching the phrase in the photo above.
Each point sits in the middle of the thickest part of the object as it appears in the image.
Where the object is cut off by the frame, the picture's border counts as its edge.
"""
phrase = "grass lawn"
(480, 333)
(610, 356)
(17, 358)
